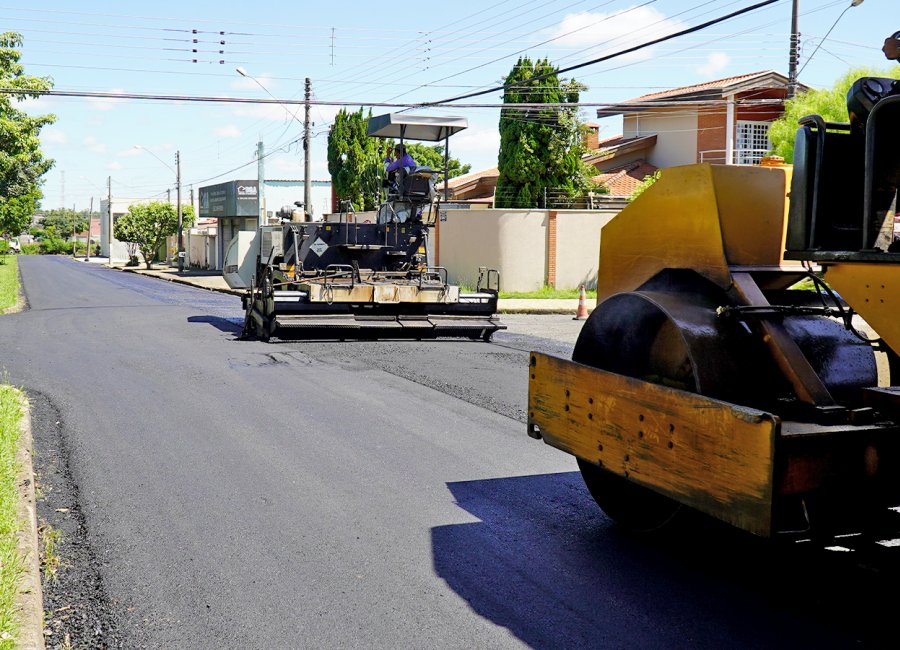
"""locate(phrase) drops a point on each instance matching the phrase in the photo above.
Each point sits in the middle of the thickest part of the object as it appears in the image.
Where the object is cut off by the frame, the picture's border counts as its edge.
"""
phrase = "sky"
(364, 54)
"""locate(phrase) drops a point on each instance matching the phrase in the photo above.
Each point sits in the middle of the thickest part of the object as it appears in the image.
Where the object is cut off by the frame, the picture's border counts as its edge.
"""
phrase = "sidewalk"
(213, 281)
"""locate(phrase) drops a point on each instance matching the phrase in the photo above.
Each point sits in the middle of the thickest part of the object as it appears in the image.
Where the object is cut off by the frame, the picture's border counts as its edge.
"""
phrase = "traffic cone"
(582, 312)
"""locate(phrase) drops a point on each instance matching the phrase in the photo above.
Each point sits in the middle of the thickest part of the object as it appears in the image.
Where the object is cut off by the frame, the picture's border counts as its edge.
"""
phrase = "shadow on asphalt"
(545, 563)
(223, 324)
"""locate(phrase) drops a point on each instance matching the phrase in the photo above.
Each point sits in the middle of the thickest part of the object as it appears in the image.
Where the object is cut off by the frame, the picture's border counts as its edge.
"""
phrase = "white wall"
(676, 143)
(515, 242)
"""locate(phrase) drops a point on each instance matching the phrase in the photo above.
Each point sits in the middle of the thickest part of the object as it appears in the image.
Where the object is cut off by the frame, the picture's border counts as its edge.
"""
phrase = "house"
(721, 121)
(237, 206)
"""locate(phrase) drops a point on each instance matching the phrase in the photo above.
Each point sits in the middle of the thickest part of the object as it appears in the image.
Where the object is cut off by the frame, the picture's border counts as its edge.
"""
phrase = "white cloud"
(476, 146)
(601, 33)
(54, 135)
(115, 165)
(38, 106)
(716, 62)
(94, 145)
(130, 152)
(107, 103)
(230, 131)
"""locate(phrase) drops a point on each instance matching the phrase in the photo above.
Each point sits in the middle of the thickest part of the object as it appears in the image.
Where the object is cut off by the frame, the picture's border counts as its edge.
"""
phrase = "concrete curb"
(537, 310)
(176, 279)
(549, 306)
(29, 598)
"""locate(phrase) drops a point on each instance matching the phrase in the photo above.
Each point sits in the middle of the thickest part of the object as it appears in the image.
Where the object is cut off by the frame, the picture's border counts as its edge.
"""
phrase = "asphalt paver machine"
(706, 380)
(351, 279)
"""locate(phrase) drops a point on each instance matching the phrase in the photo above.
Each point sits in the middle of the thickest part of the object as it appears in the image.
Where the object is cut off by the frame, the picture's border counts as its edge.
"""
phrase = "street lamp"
(177, 172)
(794, 56)
(307, 183)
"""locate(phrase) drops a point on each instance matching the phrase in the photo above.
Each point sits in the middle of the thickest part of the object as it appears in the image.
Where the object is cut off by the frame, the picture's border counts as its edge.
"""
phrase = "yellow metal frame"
(699, 217)
(713, 456)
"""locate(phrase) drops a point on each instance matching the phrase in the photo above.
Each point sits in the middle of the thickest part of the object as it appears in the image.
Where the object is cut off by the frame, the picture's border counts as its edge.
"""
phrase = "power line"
(629, 50)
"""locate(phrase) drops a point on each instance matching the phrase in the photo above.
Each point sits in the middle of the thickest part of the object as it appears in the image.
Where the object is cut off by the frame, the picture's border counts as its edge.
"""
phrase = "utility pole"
(307, 183)
(794, 55)
(87, 248)
(109, 220)
(74, 238)
(180, 214)
(261, 180)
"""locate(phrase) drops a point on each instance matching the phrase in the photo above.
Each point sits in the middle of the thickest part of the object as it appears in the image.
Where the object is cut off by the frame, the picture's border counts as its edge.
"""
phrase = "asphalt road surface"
(237, 494)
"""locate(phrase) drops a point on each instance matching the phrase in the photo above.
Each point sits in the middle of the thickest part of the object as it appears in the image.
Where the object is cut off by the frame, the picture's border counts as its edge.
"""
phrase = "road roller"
(742, 357)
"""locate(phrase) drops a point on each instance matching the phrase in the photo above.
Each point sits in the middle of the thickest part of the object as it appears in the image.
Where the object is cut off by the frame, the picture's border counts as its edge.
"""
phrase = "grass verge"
(11, 564)
(548, 293)
(9, 282)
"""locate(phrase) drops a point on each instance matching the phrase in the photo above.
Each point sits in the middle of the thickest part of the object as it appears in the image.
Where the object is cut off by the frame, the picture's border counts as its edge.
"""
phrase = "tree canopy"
(540, 148)
(354, 160)
(22, 164)
(147, 225)
(62, 220)
(830, 103)
(433, 156)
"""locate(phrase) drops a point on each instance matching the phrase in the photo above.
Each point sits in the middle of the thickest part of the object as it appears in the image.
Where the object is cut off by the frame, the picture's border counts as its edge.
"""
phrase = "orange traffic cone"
(582, 312)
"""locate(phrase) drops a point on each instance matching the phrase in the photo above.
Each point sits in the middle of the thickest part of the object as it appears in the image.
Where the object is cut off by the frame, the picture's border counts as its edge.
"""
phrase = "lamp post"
(794, 56)
(307, 183)
(177, 172)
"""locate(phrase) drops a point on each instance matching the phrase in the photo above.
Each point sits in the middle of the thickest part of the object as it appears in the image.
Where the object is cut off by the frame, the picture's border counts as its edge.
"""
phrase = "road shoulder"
(29, 599)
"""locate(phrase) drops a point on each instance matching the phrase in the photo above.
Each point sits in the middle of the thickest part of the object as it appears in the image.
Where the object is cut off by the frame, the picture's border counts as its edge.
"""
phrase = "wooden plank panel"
(711, 455)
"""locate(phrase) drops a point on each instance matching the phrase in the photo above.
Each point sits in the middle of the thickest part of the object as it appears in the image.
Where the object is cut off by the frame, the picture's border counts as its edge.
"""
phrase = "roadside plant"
(147, 225)
(22, 164)
(830, 103)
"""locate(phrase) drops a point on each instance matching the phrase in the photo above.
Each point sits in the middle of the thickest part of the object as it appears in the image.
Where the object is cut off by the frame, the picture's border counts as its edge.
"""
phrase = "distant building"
(236, 206)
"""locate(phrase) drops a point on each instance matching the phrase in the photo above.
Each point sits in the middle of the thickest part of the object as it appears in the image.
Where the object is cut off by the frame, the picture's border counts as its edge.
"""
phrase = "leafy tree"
(649, 180)
(354, 160)
(63, 220)
(433, 156)
(147, 226)
(829, 103)
(540, 148)
(21, 162)
(124, 231)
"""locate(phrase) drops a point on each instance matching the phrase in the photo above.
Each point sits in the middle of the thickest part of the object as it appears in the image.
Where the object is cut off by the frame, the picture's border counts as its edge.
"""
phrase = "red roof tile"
(624, 180)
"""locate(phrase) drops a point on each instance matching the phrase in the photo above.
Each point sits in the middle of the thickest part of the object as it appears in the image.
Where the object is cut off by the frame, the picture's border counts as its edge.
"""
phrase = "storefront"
(235, 204)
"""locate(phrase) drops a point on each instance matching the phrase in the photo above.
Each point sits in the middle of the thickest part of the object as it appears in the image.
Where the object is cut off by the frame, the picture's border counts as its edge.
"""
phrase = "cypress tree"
(540, 147)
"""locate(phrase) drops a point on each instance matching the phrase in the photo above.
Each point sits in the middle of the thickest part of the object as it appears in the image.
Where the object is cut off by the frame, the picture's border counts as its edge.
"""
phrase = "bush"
(54, 246)
(4, 247)
(31, 249)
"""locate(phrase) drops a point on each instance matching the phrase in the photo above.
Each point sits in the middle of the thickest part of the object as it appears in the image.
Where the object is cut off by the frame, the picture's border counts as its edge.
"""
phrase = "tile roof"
(471, 177)
(624, 180)
(708, 85)
(709, 90)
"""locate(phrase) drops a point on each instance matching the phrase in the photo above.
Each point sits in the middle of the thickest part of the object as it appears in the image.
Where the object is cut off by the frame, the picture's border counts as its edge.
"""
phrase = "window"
(752, 142)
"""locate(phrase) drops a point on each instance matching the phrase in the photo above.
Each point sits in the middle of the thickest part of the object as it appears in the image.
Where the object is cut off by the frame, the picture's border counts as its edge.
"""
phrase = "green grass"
(548, 293)
(11, 565)
(9, 282)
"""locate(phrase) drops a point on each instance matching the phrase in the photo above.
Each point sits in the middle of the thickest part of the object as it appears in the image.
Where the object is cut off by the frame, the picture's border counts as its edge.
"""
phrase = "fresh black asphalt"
(236, 494)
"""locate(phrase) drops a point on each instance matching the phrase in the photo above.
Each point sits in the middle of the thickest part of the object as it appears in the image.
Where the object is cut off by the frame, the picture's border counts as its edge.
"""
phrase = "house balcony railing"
(739, 156)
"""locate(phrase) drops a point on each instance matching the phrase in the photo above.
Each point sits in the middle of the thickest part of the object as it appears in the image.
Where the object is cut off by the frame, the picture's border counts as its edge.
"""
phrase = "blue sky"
(369, 52)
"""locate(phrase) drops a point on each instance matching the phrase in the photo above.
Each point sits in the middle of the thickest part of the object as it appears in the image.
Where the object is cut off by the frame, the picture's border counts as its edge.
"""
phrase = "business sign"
(231, 199)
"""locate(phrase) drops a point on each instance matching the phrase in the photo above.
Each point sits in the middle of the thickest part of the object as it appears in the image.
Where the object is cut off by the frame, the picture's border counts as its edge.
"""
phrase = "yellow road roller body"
(705, 381)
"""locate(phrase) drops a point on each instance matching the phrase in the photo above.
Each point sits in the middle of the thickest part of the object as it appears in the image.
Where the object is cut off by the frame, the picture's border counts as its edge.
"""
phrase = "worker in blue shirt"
(401, 159)
(402, 162)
